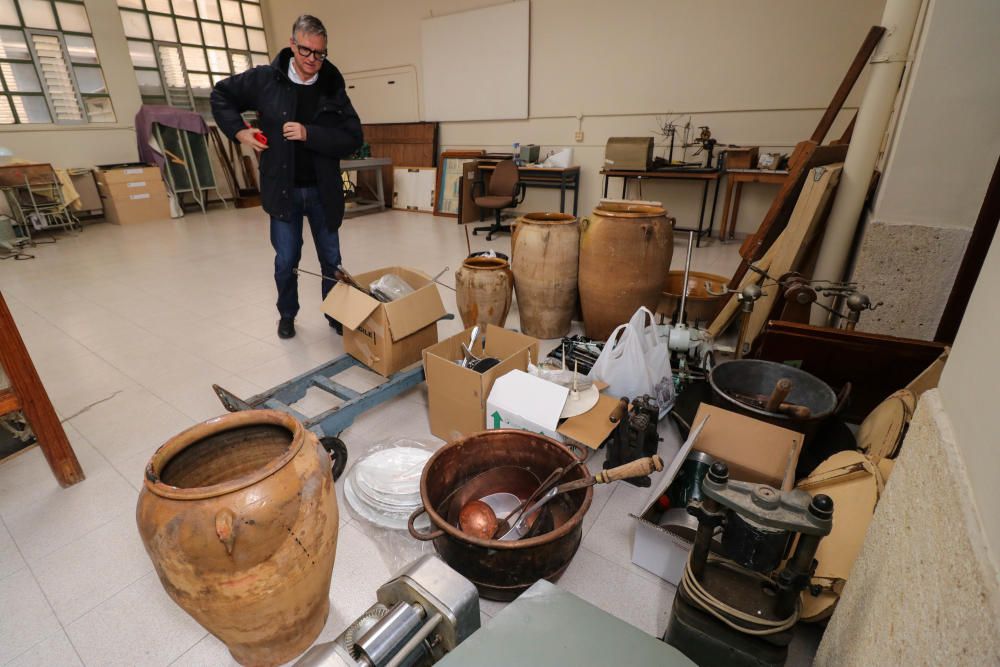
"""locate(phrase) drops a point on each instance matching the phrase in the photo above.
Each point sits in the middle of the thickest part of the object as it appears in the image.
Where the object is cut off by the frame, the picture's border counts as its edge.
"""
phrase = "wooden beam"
(35, 403)
(789, 248)
(839, 97)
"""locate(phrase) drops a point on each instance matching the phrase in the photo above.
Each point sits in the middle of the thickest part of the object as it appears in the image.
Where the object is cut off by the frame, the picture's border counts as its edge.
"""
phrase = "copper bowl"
(503, 570)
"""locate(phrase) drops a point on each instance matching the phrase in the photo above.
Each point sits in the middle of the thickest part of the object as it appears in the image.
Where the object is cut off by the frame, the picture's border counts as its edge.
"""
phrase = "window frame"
(59, 34)
(196, 100)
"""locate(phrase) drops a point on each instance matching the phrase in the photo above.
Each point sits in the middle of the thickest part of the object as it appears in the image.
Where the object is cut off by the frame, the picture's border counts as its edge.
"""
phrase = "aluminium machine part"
(421, 615)
(739, 610)
(635, 437)
(689, 346)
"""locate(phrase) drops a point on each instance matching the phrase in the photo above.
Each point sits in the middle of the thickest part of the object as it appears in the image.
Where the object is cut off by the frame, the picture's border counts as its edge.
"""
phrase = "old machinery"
(420, 616)
(738, 607)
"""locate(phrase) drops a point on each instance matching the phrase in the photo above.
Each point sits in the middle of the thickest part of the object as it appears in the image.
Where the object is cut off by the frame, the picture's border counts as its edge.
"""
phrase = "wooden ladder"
(27, 394)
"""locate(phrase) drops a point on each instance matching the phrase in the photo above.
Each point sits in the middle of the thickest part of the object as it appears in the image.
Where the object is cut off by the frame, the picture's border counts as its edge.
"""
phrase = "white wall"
(758, 73)
(96, 143)
(969, 389)
(948, 135)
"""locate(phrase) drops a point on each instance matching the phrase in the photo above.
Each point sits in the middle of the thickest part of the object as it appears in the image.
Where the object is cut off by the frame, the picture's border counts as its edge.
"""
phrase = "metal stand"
(336, 419)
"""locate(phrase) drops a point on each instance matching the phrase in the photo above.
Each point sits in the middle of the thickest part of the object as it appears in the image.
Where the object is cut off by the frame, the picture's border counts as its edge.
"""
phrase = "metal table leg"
(715, 199)
(378, 188)
(701, 216)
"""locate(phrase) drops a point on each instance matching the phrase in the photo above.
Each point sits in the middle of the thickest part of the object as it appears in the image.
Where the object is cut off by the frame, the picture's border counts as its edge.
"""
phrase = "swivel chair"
(505, 191)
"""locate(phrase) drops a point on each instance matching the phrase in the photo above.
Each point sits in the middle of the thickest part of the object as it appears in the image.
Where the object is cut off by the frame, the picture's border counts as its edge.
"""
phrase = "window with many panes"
(181, 48)
(49, 71)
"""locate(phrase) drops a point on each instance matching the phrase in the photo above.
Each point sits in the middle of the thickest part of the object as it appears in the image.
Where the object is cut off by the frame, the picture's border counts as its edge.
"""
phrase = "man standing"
(309, 126)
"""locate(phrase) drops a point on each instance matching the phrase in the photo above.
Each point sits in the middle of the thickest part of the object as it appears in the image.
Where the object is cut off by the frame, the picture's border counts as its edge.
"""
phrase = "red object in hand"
(258, 135)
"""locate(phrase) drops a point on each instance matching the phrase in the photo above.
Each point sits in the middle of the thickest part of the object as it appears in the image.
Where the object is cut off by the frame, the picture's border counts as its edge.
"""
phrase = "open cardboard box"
(387, 337)
(527, 402)
(456, 395)
(755, 451)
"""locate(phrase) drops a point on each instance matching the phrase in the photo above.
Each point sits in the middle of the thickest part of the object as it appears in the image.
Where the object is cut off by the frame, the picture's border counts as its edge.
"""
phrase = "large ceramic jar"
(546, 258)
(625, 252)
(239, 517)
(484, 289)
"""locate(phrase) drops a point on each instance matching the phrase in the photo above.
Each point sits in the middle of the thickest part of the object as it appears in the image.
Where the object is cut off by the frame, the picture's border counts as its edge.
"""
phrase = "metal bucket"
(754, 376)
(502, 570)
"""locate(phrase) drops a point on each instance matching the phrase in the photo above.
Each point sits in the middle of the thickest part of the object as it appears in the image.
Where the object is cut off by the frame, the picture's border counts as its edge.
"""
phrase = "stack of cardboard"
(132, 193)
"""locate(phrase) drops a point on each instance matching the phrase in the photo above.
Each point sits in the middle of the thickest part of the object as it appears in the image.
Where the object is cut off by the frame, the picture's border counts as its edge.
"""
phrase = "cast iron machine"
(420, 616)
(635, 437)
(738, 608)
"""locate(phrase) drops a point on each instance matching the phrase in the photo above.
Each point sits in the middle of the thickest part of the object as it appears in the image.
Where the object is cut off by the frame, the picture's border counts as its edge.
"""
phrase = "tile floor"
(129, 327)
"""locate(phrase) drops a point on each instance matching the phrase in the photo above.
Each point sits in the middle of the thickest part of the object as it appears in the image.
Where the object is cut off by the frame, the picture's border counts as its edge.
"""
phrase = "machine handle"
(619, 412)
(782, 388)
(637, 468)
(225, 528)
(416, 534)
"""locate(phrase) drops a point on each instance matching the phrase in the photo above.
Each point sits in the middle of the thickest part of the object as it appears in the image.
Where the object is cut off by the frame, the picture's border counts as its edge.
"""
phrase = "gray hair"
(308, 25)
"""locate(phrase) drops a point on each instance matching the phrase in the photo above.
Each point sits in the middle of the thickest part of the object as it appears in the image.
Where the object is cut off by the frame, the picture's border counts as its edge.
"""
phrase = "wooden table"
(735, 178)
(565, 179)
(375, 164)
(703, 174)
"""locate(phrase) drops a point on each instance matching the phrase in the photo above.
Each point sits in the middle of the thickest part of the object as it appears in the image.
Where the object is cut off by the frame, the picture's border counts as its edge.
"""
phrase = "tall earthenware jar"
(625, 252)
(546, 257)
(239, 517)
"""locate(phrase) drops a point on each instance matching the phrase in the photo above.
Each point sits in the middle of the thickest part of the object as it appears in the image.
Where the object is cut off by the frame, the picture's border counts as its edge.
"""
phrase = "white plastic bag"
(637, 362)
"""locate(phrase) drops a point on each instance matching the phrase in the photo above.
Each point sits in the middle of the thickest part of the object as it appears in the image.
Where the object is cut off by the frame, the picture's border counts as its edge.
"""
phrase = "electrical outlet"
(579, 136)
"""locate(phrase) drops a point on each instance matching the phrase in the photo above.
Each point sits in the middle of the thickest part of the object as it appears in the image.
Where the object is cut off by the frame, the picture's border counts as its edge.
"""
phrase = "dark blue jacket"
(333, 134)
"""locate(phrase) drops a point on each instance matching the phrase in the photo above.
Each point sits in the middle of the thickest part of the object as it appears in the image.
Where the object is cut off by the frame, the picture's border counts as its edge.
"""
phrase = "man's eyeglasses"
(306, 52)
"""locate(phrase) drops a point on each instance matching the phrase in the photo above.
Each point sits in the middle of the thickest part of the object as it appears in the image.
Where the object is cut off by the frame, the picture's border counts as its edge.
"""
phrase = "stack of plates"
(384, 487)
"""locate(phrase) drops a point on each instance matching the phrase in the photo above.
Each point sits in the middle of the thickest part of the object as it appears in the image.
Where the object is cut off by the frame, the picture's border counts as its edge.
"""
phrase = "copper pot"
(239, 516)
(502, 570)
(625, 252)
(701, 305)
(484, 289)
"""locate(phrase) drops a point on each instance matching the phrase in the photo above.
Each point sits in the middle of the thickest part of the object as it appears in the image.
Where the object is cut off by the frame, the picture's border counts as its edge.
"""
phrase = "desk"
(677, 173)
(562, 178)
(735, 178)
(366, 205)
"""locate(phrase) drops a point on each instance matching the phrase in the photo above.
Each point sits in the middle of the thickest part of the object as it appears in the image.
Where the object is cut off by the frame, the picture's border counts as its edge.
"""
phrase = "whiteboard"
(475, 64)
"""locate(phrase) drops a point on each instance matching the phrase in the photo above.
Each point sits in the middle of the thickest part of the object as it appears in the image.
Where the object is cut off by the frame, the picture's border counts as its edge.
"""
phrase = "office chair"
(505, 191)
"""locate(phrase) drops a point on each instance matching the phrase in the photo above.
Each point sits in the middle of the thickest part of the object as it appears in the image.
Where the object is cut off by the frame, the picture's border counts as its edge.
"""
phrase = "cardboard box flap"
(536, 400)
(755, 451)
(594, 426)
(349, 306)
(668, 476)
(414, 312)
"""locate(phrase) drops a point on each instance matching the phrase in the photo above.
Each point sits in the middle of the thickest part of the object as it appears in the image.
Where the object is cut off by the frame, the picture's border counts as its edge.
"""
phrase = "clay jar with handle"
(484, 289)
(625, 252)
(546, 252)
(239, 516)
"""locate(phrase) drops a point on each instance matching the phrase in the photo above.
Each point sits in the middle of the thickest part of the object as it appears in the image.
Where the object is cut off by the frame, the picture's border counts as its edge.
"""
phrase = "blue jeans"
(286, 238)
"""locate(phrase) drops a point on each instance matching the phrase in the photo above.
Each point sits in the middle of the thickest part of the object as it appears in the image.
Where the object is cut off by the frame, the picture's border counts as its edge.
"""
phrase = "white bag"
(637, 363)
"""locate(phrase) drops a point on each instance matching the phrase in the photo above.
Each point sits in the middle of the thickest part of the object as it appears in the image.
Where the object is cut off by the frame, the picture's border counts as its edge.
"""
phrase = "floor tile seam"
(52, 609)
(189, 649)
(659, 583)
(24, 561)
(104, 523)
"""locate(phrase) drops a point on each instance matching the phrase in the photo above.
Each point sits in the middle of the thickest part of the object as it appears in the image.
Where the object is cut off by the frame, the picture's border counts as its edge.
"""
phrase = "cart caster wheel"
(337, 450)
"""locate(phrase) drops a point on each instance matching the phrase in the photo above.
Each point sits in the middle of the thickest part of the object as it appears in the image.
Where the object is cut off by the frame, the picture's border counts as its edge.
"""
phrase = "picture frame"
(448, 199)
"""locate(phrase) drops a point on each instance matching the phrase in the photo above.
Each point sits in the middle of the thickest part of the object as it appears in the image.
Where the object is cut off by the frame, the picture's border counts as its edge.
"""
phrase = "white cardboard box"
(653, 547)
(523, 401)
